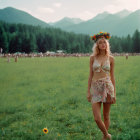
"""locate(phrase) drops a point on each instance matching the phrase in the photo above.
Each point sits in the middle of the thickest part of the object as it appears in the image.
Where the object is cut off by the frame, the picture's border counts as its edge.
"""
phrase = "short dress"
(102, 90)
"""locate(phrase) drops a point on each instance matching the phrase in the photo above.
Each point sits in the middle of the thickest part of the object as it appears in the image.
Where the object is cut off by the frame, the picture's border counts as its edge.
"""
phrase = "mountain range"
(120, 24)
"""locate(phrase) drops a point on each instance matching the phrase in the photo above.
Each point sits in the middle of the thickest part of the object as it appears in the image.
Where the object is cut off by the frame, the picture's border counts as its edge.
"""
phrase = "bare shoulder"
(91, 58)
(111, 57)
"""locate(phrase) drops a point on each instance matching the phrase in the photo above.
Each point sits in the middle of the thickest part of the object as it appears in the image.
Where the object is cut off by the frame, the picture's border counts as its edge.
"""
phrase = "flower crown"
(101, 35)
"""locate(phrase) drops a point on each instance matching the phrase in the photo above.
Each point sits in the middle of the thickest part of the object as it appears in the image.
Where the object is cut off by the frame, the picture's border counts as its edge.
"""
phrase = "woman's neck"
(102, 53)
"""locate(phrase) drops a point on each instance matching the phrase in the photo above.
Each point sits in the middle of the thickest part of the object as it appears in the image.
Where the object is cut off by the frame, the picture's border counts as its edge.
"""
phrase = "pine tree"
(136, 42)
(3, 40)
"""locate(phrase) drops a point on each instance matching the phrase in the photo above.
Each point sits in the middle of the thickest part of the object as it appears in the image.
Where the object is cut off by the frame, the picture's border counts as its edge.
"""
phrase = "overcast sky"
(54, 10)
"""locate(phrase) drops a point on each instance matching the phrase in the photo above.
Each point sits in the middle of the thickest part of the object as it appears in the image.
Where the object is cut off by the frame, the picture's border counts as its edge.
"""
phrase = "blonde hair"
(96, 50)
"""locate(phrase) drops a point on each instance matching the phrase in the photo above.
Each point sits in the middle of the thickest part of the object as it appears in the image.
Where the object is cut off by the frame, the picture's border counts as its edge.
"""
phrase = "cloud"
(26, 10)
(123, 4)
(85, 15)
(45, 10)
(58, 5)
(88, 13)
(112, 8)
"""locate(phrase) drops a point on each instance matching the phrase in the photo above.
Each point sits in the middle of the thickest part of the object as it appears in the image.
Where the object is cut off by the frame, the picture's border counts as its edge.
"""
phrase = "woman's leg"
(96, 107)
(106, 114)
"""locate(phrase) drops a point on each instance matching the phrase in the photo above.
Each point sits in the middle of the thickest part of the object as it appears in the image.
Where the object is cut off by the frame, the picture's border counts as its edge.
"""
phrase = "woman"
(101, 83)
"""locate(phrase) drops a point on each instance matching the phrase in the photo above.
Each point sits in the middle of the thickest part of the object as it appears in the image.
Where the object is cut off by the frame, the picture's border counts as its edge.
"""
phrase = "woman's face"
(102, 44)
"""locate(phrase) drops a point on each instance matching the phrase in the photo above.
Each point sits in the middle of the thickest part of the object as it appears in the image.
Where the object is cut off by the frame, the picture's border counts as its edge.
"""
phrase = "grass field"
(36, 93)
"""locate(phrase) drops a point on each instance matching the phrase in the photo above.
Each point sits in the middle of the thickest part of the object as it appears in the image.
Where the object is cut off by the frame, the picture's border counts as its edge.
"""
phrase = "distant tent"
(59, 51)
(48, 52)
(17, 53)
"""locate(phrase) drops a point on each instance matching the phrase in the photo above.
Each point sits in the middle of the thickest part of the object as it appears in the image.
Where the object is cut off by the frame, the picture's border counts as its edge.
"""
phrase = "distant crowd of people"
(60, 54)
(32, 55)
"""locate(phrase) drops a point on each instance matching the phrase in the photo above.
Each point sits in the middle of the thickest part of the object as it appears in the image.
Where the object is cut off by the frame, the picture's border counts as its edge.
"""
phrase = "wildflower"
(45, 130)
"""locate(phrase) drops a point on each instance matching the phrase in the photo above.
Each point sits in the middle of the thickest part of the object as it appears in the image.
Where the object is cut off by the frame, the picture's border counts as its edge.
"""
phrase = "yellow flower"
(45, 130)
(59, 134)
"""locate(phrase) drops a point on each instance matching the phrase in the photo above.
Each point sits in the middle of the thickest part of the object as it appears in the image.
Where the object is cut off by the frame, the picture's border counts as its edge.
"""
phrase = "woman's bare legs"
(106, 114)
(96, 107)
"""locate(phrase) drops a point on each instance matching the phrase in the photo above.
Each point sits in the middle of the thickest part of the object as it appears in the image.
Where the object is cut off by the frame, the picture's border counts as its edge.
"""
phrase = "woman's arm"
(112, 73)
(90, 73)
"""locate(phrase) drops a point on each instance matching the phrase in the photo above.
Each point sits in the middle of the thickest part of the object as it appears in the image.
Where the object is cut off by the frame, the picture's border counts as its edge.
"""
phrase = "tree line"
(28, 38)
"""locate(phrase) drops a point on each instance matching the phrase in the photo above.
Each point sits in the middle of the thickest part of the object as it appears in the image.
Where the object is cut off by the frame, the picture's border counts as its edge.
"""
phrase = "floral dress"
(102, 90)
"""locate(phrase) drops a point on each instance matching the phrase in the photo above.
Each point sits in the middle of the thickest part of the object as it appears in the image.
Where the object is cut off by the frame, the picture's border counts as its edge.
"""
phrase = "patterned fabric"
(102, 90)
(105, 68)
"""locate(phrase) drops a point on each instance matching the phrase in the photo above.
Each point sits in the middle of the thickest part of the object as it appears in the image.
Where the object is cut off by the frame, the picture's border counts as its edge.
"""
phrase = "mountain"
(99, 16)
(12, 15)
(123, 13)
(119, 24)
(129, 24)
(66, 22)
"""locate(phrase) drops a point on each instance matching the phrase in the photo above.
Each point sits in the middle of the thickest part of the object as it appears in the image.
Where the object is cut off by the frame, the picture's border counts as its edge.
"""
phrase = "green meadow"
(38, 93)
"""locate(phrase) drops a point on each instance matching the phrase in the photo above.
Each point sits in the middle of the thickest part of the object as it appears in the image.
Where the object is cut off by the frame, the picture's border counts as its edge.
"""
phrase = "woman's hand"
(89, 97)
(114, 100)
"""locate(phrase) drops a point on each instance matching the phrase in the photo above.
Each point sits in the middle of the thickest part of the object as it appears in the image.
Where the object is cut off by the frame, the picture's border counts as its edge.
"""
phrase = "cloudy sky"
(54, 10)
